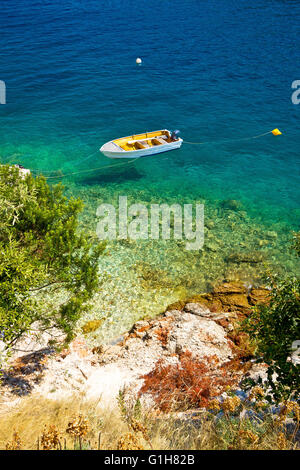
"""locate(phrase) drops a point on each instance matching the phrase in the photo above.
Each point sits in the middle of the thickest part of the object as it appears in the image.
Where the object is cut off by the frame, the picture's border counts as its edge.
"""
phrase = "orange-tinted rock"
(176, 306)
(259, 296)
(235, 300)
(138, 329)
(234, 287)
(223, 322)
(232, 296)
(209, 300)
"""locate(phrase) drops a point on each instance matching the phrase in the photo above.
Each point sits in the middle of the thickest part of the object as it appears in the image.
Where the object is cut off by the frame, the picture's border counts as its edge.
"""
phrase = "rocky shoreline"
(203, 327)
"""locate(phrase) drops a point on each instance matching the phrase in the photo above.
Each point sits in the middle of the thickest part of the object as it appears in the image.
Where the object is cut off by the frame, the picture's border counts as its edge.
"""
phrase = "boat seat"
(159, 141)
(142, 144)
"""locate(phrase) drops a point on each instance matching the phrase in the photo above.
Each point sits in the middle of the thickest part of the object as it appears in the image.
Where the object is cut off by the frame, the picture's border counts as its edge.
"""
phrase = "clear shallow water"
(215, 70)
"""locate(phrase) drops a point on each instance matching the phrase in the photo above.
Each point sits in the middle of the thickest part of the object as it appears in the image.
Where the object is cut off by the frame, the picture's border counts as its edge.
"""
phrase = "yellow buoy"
(276, 132)
(138, 60)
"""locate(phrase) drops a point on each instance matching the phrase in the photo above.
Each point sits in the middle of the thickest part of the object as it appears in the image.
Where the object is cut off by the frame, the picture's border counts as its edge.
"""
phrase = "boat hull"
(107, 150)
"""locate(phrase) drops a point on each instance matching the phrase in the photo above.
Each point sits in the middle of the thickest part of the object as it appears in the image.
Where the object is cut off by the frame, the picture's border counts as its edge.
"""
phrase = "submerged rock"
(179, 305)
(251, 257)
(232, 204)
(209, 300)
(212, 247)
(271, 234)
(91, 326)
(209, 224)
(263, 242)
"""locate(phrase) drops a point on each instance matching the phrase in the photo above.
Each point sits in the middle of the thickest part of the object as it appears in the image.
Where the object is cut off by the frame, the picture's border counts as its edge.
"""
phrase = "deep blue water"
(218, 69)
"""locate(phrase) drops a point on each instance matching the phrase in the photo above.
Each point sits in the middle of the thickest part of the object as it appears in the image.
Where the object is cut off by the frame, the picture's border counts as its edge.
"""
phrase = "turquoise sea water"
(216, 70)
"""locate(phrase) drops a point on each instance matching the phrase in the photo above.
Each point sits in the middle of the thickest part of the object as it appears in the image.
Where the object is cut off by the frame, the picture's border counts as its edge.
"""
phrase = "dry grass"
(34, 414)
(75, 422)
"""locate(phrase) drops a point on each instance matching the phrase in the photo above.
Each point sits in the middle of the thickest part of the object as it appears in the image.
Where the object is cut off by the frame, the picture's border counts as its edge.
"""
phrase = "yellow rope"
(76, 162)
(226, 140)
(91, 169)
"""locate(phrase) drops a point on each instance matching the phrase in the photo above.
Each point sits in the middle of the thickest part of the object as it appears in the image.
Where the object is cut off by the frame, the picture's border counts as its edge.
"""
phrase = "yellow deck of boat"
(142, 141)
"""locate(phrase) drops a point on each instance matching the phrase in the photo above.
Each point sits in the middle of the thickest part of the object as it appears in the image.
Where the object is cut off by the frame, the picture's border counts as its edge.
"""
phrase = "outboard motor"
(175, 134)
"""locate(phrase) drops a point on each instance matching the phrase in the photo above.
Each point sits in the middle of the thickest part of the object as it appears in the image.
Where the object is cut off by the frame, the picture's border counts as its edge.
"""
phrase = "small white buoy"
(139, 61)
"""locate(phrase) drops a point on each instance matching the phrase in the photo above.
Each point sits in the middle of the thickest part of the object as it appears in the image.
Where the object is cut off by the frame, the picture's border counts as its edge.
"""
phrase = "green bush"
(48, 267)
(274, 328)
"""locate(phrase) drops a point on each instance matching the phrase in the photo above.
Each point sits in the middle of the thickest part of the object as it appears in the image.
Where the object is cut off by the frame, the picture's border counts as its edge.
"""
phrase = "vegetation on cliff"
(275, 328)
(48, 268)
